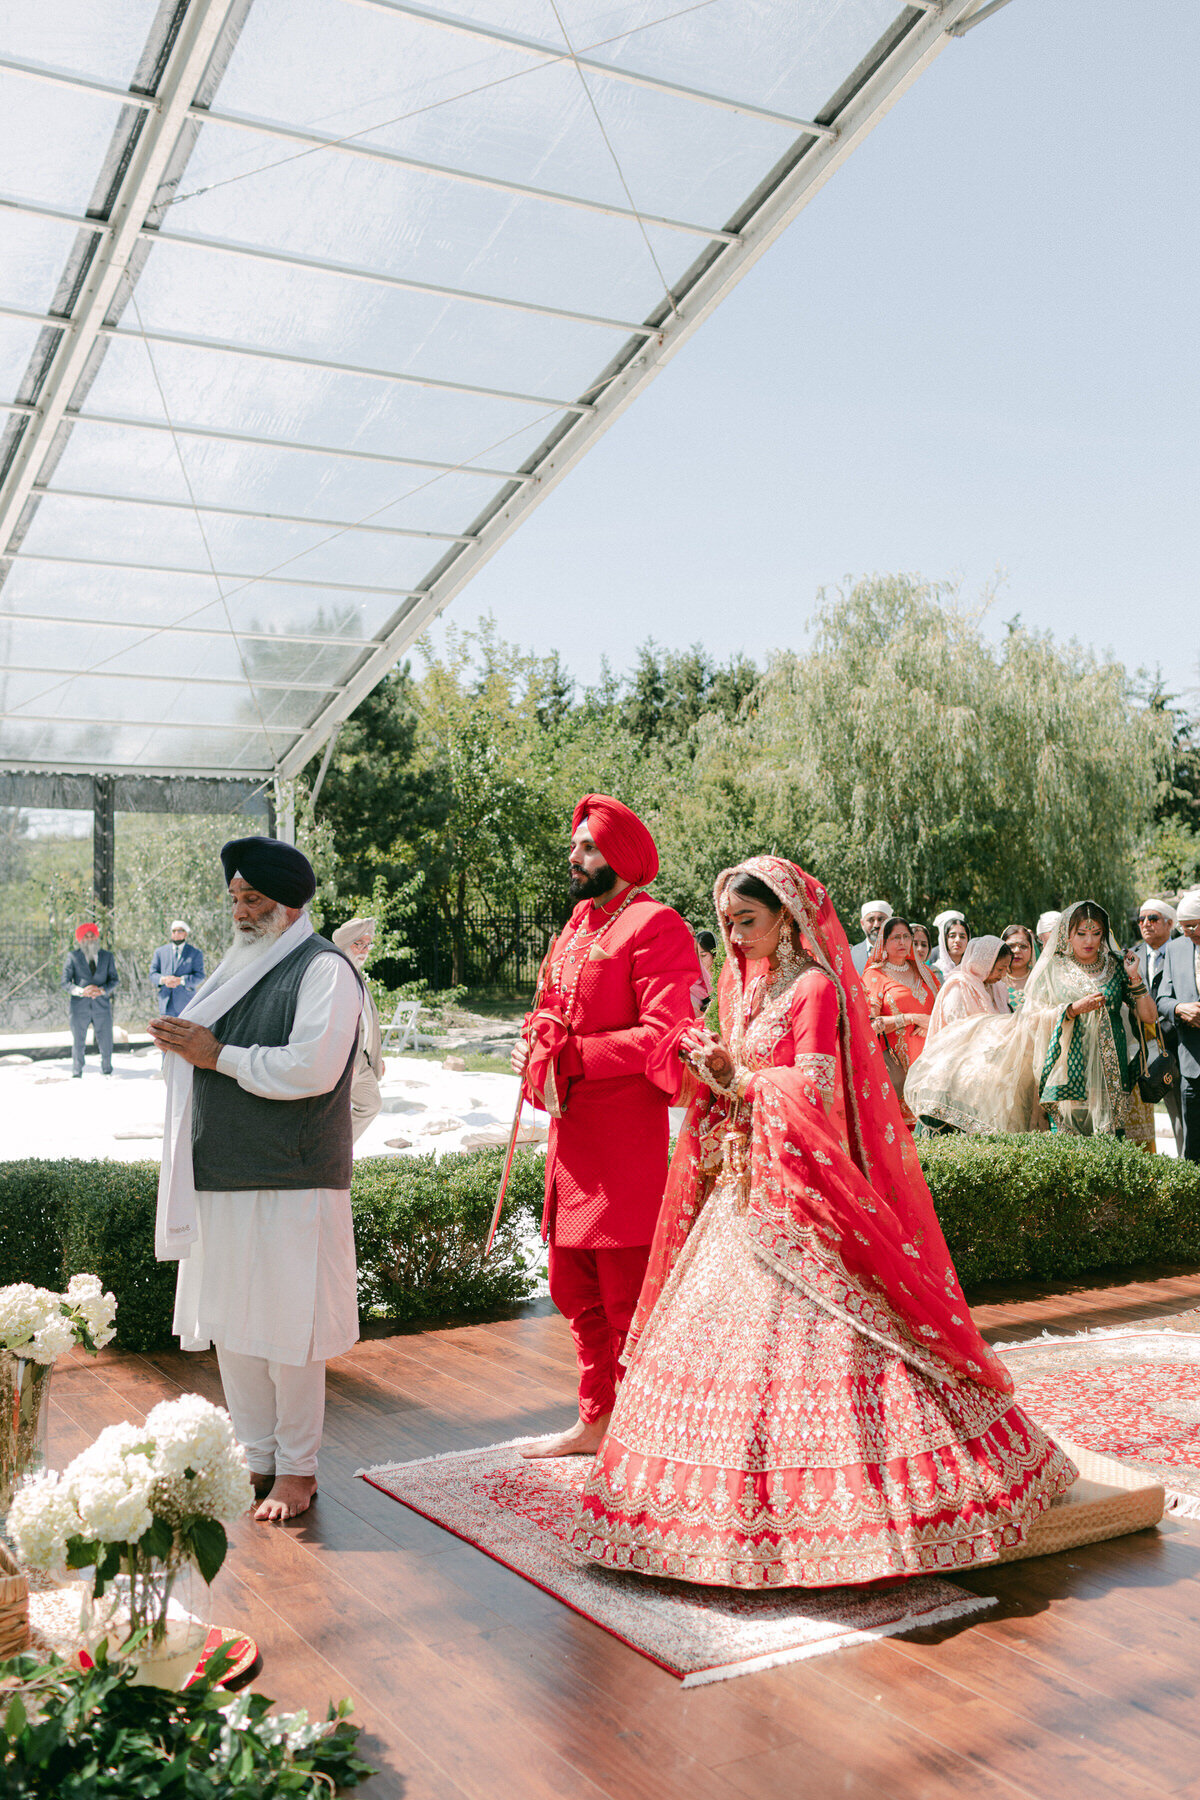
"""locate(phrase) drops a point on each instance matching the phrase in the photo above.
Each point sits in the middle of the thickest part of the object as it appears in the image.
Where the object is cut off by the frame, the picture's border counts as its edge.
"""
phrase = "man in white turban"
(1044, 929)
(1179, 1009)
(873, 916)
(354, 939)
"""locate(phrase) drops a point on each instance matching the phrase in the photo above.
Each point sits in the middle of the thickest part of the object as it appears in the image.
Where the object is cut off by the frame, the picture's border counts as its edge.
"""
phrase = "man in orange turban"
(617, 979)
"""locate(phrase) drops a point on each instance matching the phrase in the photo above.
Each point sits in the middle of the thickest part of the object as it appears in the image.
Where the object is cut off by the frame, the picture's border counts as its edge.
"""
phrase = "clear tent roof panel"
(353, 288)
(103, 39)
(54, 141)
(33, 253)
(54, 647)
(133, 462)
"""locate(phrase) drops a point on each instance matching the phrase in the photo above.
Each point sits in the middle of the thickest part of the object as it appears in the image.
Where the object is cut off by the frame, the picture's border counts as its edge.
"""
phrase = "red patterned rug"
(1132, 1394)
(521, 1514)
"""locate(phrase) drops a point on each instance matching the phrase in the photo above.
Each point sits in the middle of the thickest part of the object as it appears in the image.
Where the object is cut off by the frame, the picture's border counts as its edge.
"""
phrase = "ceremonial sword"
(516, 1124)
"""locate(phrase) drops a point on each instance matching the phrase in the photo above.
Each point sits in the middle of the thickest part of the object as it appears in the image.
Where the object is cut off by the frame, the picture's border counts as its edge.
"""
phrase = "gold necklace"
(580, 937)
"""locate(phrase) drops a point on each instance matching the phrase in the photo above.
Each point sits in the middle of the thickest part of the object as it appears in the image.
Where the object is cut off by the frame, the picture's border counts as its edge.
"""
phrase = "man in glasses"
(1179, 1008)
(1156, 921)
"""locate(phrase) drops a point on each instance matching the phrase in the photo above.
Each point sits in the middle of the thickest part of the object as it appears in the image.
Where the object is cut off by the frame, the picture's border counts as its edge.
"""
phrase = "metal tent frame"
(124, 584)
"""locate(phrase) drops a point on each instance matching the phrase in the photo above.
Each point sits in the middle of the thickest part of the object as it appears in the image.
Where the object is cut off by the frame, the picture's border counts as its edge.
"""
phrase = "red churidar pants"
(596, 1291)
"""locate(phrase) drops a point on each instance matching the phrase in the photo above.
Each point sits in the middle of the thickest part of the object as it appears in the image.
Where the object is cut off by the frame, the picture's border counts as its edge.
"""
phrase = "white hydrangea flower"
(96, 1309)
(188, 1433)
(24, 1311)
(52, 1340)
(40, 1520)
(113, 1504)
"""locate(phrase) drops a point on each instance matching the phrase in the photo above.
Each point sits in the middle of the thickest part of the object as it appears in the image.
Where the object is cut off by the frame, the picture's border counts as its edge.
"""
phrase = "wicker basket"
(14, 1607)
(1109, 1500)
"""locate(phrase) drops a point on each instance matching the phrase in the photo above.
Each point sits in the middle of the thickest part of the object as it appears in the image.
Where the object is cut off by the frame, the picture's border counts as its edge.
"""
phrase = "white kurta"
(272, 1272)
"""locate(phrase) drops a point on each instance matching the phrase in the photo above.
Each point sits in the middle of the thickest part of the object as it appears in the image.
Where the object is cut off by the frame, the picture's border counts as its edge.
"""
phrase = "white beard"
(248, 946)
(90, 949)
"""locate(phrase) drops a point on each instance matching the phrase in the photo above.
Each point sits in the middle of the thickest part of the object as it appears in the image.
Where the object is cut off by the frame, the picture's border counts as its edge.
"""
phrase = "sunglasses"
(1152, 918)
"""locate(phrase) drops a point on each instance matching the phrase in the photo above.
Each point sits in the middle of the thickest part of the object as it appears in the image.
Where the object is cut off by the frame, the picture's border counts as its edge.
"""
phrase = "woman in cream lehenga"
(1069, 1058)
(807, 1401)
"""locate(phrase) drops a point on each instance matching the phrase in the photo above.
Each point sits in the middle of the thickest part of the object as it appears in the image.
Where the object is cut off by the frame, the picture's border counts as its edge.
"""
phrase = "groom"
(254, 1195)
(617, 979)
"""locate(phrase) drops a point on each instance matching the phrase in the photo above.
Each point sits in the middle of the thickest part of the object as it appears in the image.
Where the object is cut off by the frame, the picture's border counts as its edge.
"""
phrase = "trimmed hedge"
(1043, 1206)
(1038, 1207)
(419, 1226)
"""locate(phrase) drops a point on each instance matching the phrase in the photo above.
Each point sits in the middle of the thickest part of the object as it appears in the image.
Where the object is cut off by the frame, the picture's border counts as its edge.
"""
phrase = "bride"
(807, 1401)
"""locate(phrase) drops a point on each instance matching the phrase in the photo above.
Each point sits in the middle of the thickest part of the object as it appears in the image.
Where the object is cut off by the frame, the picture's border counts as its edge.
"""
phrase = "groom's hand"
(195, 1043)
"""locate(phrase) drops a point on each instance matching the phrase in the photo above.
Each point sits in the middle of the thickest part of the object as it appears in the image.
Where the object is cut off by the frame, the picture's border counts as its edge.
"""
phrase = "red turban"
(620, 837)
(82, 931)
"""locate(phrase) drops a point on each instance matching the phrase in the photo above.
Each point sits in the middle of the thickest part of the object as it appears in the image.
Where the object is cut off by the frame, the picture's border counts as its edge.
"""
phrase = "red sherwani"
(621, 986)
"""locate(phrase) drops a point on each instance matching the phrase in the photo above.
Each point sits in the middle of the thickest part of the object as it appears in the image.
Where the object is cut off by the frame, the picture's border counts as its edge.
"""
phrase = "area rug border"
(956, 1609)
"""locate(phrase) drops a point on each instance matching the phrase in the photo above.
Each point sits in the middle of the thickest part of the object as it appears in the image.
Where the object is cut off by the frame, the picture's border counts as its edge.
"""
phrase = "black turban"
(278, 870)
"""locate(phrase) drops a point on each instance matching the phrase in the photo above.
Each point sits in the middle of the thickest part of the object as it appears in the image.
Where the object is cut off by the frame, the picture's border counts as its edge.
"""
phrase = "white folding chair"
(404, 1022)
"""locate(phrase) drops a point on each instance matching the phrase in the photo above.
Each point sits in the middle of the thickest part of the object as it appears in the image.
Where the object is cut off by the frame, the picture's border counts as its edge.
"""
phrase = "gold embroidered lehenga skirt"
(760, 1440)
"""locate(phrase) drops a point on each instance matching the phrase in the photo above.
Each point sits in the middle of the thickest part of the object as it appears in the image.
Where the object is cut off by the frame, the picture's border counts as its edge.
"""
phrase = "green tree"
(907, 755)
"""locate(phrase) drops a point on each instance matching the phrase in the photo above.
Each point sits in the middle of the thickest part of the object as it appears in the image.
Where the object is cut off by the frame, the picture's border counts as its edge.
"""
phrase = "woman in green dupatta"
(1082, 1000)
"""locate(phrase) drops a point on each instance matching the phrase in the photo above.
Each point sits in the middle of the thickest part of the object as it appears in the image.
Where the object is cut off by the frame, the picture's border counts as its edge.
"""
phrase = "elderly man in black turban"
(254, 1194)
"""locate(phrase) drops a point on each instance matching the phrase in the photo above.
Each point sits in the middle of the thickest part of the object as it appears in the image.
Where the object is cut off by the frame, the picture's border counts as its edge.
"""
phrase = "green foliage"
(87, 1734)
(905, 752)
(913, 758)
(108, 1217)
(1044, 1206)
(419, 1225)
(31, 1223)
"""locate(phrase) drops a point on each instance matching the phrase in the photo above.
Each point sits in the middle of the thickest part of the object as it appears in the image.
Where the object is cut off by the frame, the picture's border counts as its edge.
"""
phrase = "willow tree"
(909, 756)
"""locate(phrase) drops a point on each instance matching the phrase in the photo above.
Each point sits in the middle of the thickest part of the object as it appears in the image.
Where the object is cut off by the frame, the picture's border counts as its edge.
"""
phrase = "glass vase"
(166, 1599)
(24, 1421)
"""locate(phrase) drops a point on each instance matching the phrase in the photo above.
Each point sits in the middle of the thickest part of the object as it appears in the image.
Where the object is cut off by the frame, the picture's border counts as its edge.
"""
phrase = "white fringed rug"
(521, 1513)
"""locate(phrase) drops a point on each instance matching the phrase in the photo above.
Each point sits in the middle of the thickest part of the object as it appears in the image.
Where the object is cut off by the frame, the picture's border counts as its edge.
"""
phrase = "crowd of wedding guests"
(1051, 1028)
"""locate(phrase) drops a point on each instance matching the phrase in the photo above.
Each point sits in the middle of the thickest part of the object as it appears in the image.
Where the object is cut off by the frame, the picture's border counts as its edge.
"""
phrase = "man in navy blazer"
(1179, 1007)
(176, 971)
(90, 978)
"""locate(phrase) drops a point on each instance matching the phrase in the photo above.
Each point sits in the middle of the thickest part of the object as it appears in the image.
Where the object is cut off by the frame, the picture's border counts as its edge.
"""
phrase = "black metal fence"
(30, 967)
(500, 949)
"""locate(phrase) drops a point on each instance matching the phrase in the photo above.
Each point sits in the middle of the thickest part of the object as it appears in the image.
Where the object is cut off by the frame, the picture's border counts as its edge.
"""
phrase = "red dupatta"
(857, 1231)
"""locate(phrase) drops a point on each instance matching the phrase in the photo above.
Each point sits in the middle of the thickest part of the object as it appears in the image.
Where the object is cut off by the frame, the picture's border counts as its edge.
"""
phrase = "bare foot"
(581, 1440)
(289, 1497)
(261, 1483)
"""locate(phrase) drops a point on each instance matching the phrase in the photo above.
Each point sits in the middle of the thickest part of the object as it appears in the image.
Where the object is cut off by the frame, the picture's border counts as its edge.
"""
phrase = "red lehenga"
(807, 1402)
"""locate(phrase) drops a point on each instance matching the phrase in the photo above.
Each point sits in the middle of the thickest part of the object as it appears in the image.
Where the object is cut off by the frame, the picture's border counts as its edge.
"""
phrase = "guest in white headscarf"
(1045, 928)
(355, 939)
(975, 987)
(953, 936)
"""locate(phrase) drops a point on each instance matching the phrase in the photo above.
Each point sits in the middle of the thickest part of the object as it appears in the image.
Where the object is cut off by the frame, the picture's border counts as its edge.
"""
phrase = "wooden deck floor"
(1080, 1685)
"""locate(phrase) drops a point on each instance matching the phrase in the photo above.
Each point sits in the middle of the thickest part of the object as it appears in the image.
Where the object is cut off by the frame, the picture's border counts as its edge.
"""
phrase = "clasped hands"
(195, 1043)
(708, 1056)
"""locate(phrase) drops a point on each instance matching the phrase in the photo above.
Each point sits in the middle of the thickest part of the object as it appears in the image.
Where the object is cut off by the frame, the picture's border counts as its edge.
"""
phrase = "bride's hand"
(1093, 1003)
(707, 1053)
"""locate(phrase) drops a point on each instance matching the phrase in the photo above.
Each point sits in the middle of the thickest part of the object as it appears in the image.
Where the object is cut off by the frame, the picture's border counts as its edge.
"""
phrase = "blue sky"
(975, 351)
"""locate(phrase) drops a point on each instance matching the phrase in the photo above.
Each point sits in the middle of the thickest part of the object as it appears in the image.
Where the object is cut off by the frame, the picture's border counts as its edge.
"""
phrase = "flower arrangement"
(40, 1325)
(143, 1503)
(37, 1326)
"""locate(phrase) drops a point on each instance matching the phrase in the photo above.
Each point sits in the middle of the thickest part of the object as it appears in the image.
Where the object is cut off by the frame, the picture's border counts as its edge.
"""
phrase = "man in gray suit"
(90, 978)
(1156, 920)
(1179, 1007)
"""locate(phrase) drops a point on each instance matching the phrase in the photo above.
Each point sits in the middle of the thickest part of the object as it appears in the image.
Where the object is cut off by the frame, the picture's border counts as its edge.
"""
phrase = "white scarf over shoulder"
(176, 1225)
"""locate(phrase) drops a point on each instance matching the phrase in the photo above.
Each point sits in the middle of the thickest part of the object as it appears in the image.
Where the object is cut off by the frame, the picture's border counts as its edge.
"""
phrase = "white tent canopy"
(304, 304)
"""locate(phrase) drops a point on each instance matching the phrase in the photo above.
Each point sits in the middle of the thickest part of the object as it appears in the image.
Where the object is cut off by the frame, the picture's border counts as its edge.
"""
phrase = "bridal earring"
(785, 950)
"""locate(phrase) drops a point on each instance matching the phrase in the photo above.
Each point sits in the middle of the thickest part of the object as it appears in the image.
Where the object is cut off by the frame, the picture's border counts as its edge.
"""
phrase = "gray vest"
(240, 1140)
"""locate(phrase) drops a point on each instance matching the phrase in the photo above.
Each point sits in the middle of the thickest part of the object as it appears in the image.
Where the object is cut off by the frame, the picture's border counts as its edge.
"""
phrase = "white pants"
(278, 1411)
